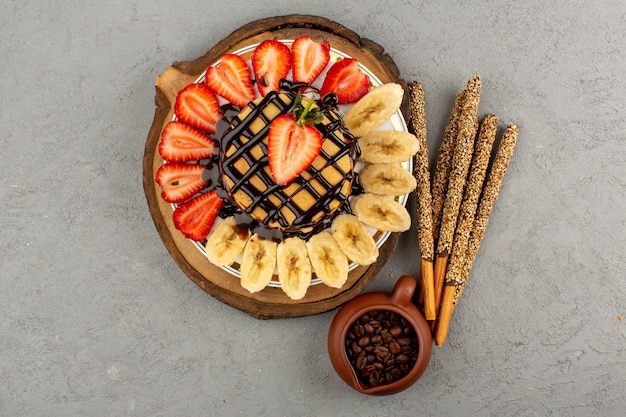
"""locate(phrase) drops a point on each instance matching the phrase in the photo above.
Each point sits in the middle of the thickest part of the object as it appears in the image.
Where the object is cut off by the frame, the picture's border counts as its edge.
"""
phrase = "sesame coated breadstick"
(467, 214)
(469, 205)
(461, 159)
(488, 200)
(424, 200)
(453, 292)
(444, 164)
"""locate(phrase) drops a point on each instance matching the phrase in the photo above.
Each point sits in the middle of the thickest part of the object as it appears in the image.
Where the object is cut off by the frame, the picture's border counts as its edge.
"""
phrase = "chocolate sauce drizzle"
(244, 140)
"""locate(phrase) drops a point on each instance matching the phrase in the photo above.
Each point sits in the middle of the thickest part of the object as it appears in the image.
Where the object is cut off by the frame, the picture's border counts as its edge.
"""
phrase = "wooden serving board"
(270, 302)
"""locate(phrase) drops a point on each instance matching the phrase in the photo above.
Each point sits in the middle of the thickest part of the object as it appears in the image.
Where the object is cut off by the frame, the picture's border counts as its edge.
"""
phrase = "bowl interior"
(385, 348)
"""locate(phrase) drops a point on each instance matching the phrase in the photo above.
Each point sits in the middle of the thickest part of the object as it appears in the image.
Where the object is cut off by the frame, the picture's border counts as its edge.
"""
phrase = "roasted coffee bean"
(381, 358)
(406, 350)
(388, 376)
(381, 351)
(394, 347)
(404, 341)
(390, 362)
(368, 370)
(402, 358)
(396, 331)
(364, 341)
(382, 347)
(374, 377)
(361, 362)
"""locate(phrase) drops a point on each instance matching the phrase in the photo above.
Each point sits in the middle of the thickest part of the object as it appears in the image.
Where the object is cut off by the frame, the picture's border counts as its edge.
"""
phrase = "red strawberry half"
(309, 59)
(197, 106)
(271, 61)
(180, 181)
(181, 143)
(346, 80)
(195, 217)
(231, 79)
(293, 142)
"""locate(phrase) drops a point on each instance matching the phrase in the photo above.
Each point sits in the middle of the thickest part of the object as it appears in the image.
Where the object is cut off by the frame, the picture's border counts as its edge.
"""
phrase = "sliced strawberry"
(181, 143)
(180, 181)
(291, 148)
(271, 61)
(195, 217)
(309, 59)
(197, 106)
(346, 80)
(232, 80)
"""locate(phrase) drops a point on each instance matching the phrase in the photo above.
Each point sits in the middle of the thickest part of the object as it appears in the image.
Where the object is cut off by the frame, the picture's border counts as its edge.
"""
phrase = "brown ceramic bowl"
(399, 302)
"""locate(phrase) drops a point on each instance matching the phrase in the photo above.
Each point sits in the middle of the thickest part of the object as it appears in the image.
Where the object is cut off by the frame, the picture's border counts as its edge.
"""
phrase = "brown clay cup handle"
(403, 291)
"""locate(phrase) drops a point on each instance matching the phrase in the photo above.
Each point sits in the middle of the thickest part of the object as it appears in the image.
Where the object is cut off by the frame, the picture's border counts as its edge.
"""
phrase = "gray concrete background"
(98, 320)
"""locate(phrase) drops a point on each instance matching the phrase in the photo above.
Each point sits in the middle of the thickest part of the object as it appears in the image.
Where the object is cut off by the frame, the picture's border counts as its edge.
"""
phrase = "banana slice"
(387, 146)
(380, 212)
(374, 108)
(226, 242)
(387, 179)
(294, 267)
(258, 263)
(354, 239)
(329, 262)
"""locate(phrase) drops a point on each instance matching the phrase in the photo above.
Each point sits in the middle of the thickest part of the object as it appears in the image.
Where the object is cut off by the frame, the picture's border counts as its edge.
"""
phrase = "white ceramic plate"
(395, 122)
